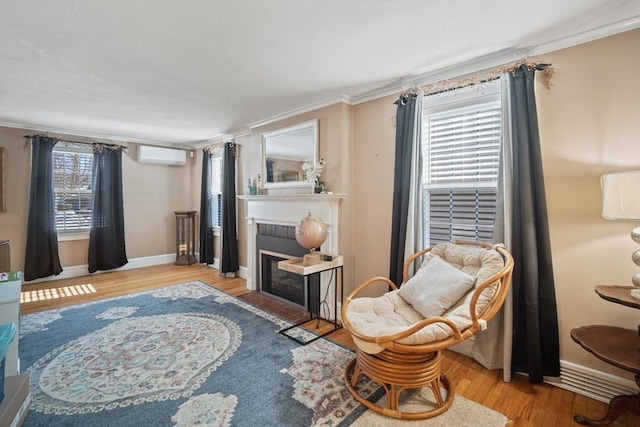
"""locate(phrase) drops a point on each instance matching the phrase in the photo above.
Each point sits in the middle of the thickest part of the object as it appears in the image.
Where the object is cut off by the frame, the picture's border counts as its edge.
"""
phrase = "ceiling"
(187, 72)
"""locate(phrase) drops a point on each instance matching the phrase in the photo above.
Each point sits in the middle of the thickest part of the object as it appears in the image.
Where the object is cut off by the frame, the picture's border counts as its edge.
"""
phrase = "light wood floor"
(523, 403)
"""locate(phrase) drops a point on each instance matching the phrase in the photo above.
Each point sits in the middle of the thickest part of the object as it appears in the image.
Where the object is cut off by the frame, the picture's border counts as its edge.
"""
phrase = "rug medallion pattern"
(185, 355)
(132, 361)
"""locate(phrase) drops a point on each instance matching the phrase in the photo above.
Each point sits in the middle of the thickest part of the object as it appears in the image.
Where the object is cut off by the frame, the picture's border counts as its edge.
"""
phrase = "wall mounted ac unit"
(161, 155)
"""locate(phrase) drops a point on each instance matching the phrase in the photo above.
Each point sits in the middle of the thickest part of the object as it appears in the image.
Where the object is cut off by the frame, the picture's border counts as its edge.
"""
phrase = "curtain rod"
(483, 77)
(217, 145)
(79, 142)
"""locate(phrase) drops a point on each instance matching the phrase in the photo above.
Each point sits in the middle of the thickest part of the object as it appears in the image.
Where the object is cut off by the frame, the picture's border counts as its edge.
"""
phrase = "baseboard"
(72, 271)
(592, 383)
(216, 261)
(244, 273)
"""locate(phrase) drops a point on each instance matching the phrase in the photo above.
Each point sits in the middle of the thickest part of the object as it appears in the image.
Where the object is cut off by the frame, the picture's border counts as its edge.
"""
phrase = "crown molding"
(303, 109)
(475, 65)
(221, 138)
(478, 64)
(489, 61)
(99, 137)
(590, 35)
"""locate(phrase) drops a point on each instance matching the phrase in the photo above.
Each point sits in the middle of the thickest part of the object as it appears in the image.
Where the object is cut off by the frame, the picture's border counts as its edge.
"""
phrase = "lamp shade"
(621, 195)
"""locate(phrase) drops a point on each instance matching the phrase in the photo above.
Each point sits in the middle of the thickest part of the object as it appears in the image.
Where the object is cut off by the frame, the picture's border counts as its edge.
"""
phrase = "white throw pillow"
(436, 287)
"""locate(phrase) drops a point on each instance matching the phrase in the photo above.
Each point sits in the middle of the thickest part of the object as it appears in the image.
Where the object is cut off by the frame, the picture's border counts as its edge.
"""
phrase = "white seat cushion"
(390, 313)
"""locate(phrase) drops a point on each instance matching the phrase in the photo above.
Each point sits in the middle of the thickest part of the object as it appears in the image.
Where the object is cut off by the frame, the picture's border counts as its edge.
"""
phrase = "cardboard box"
(15, 406)
(2, 379)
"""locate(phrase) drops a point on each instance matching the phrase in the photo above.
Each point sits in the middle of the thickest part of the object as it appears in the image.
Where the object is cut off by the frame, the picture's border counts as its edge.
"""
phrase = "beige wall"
(588, 125)
(374, 154)
(151, 194)
(13, 222)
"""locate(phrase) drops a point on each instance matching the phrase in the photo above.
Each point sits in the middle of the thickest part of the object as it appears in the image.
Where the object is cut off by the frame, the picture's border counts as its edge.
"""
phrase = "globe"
(311, 232)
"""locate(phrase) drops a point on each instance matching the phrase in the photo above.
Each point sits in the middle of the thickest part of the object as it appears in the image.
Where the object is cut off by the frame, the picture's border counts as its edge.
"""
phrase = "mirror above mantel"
(283, 151)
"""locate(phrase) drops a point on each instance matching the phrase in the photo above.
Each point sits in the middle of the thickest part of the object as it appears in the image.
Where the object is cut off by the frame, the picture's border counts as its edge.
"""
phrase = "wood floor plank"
(563, 401)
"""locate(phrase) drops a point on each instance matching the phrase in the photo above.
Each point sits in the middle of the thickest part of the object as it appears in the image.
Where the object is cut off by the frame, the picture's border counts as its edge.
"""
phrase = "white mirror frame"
(273, 137)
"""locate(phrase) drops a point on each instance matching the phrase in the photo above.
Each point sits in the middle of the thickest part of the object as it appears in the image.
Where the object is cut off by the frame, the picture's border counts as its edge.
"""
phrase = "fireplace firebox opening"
(276, 243)
(288, 286)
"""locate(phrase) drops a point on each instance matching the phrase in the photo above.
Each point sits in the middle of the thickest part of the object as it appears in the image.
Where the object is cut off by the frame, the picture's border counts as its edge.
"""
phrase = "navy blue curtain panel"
(535, 321)
(106, 238)
(405, 123)
(206, 211)
(41, 259)
(229, 260)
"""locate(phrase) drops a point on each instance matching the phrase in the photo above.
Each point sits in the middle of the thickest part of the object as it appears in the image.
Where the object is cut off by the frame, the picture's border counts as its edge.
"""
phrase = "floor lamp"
(621, 201)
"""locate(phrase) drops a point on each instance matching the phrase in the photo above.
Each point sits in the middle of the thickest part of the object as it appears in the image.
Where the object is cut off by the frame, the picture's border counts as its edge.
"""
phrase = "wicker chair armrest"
(367, 284)
(409, 262)
(359, 289)
(504, 278)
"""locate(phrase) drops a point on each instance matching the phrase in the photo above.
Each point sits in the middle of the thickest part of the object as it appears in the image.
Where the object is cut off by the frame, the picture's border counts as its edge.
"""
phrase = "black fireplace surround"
(276, 243)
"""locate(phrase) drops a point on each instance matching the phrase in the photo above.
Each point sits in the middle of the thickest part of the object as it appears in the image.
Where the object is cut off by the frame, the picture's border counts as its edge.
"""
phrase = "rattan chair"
(399, 348)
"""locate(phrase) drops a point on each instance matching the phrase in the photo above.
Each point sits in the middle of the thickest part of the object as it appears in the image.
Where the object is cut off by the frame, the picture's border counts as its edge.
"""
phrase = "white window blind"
(72, 179)
(461, 155)
(216, 190)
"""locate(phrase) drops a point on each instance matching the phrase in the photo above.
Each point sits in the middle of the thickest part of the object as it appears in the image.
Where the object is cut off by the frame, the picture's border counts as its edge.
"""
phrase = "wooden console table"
(617, 346)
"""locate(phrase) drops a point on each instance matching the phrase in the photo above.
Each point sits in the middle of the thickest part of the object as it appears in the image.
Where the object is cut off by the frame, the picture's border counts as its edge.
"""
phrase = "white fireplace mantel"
(288, 210)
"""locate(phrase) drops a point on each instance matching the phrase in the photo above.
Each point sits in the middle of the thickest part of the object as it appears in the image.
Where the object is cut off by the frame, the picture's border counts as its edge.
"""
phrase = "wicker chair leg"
(397, 376)
(356, 375)
(437, 391)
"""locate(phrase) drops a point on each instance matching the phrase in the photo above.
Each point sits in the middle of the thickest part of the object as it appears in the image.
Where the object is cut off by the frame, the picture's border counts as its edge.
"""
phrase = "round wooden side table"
(617, 346)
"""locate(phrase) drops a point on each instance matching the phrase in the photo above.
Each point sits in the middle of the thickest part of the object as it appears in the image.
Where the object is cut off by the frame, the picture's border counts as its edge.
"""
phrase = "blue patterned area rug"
(184, 355)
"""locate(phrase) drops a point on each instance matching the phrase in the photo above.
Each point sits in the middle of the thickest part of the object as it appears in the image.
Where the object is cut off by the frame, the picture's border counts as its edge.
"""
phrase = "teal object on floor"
(7, 332)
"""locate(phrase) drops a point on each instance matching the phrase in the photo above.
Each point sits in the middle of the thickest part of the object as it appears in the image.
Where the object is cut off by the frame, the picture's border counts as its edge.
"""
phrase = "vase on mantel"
(318, 186)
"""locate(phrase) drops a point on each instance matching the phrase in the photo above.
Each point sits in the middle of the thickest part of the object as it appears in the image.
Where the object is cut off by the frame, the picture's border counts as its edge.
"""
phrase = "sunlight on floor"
(56, 293)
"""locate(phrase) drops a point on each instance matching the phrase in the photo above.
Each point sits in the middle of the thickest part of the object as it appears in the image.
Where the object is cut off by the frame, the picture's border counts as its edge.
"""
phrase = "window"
(216, 189)
(72, 176)
(461, 139)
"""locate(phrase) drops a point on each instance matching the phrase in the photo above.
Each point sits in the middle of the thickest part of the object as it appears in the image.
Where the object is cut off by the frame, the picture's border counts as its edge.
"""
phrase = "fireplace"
(276, 243)
(271, 221)
(288, 286)
(280, 283)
